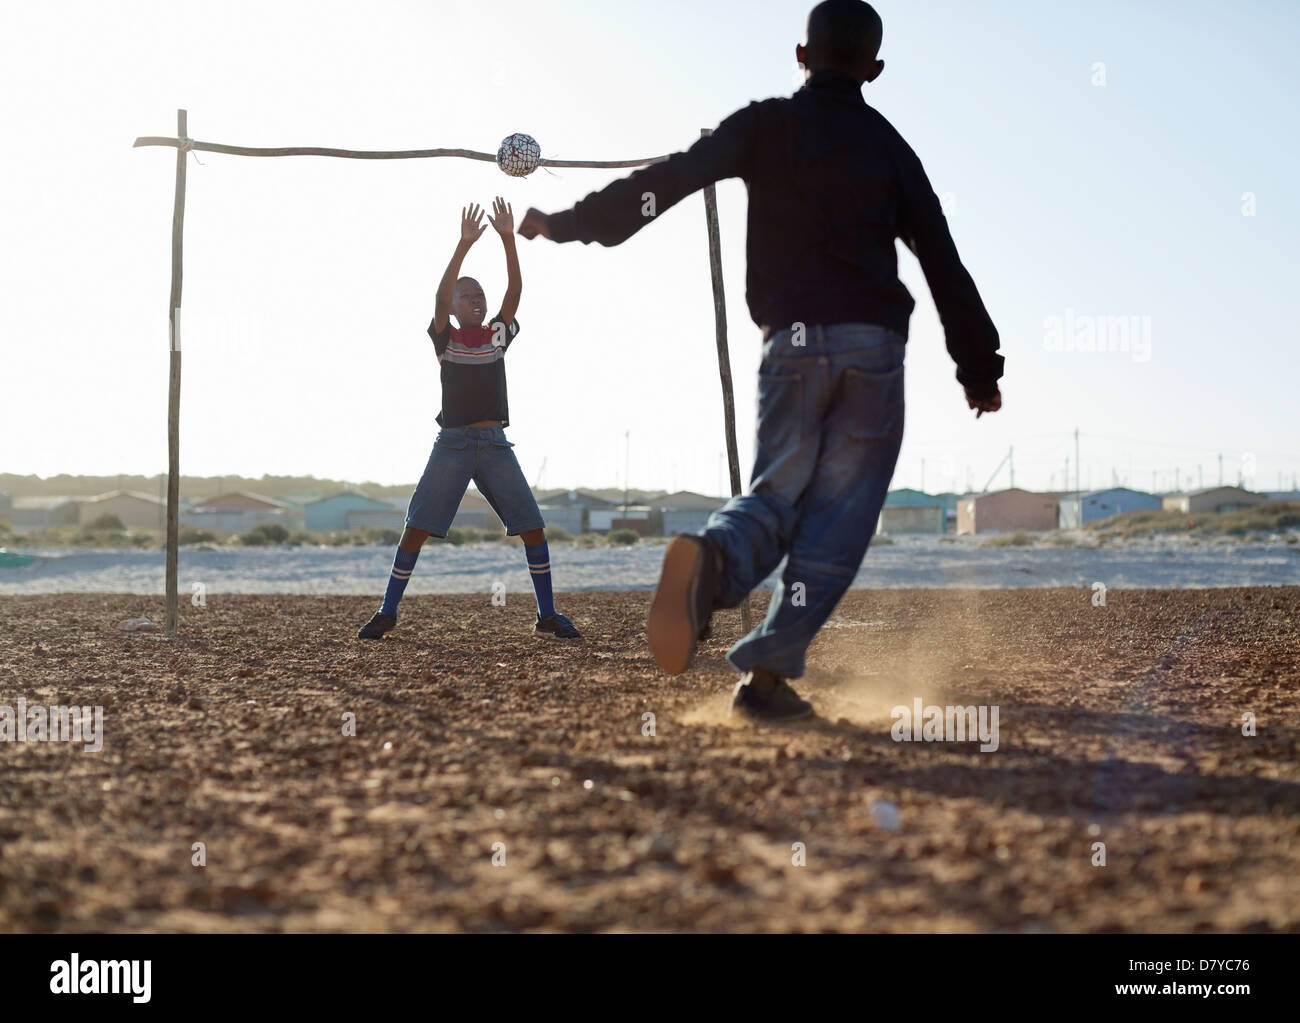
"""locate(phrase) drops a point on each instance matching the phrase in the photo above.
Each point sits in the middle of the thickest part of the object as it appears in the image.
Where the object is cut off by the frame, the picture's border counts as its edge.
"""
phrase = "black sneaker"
(555, 627)
(683, 602)
(379, 624)
(776, 702)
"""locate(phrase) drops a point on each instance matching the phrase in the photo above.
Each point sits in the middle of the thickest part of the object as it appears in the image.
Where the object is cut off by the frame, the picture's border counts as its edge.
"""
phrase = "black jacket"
(831, 185)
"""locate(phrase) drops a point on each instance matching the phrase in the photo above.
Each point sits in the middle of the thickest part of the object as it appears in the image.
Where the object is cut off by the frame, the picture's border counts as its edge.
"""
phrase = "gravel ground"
(1119, 725)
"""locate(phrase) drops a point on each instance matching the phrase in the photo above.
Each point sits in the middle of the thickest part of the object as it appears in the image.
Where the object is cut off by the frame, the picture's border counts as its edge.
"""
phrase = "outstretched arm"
(503, 219)
(623, 207)
(471, 226)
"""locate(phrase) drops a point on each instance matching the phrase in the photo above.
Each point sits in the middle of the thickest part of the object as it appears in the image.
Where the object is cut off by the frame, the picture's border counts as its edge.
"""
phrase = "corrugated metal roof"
(135, 494)
(239, 499)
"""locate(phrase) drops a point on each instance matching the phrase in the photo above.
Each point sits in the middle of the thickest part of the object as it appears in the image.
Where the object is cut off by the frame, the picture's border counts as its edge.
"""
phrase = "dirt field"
(1119, 724)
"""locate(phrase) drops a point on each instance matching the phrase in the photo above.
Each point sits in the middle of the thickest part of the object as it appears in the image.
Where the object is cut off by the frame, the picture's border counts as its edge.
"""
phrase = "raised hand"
(502, 217)
(471, 223)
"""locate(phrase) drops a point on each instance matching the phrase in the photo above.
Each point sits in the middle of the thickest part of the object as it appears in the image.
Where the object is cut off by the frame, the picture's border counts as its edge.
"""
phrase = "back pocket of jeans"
(871, 403)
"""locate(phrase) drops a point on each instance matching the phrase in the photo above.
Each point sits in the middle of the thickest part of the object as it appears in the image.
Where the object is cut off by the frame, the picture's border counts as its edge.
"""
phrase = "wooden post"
(183, 144)
(174, 383)
(724, 356)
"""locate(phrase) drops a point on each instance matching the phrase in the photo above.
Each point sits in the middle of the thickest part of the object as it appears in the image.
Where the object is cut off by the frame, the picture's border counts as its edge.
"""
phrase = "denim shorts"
(478, 453)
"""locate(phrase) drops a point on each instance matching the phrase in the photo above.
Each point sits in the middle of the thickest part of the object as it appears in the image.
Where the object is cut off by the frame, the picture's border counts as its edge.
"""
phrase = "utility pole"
(627, 462)
(1077, 492)
(1200, 481)
(1220, 468)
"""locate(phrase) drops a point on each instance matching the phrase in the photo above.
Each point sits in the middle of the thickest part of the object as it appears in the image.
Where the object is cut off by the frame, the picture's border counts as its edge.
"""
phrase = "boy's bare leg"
(412, 540)
(408, 549)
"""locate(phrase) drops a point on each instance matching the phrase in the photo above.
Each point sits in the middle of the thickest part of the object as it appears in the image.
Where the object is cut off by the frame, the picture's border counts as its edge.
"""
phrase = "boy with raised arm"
(471, 444)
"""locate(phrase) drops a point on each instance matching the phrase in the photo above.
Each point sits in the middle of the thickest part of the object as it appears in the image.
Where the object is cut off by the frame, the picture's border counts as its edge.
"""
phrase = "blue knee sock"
(403, 562)
(539, 567)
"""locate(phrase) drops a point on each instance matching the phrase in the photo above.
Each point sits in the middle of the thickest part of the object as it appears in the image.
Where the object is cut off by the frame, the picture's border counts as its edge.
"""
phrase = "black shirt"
(473, 371)
(831, 185)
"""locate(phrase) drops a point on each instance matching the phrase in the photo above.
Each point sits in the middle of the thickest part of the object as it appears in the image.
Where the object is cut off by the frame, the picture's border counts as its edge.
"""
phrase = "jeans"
(830, 425)
(481, 454)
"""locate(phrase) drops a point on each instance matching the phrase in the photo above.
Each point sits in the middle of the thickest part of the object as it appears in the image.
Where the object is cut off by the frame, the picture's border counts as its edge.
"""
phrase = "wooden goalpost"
(183, 145)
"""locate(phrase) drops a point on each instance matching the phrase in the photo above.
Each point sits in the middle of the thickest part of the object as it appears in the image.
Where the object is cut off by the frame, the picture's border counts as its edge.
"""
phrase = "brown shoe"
(683, 602)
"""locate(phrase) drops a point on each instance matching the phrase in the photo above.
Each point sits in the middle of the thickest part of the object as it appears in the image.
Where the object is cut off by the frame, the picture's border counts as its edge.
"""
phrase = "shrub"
(265, 533)
(100, 538)
(457, 536)
(5, 527)
(624, 537)
(108, 521)
(192, 534)
(558, 533)
(380, 535)
(1017, 539)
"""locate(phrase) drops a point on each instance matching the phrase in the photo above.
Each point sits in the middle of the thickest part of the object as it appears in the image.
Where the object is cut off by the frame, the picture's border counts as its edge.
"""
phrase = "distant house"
(949, 500)
(376, 518)
(391, 516)
(1006, 509)
(29, 513)
(1102, 504)
(640, 518)
(1213, 499)
(911, 511)
(137, 510)
(239, 511)
(685, 511)
(299, 498)
(570, 509)
(327, 514)
(475, 512)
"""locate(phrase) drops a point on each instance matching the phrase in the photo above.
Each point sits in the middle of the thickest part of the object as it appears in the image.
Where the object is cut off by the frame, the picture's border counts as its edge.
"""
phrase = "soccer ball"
(518, 155)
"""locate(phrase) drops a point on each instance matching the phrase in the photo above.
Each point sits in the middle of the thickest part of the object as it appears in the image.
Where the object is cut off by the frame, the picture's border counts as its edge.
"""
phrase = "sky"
(1120, 166)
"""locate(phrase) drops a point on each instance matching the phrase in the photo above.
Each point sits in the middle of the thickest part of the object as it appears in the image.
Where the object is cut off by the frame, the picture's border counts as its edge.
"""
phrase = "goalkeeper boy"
(831, 186)
(472, 442)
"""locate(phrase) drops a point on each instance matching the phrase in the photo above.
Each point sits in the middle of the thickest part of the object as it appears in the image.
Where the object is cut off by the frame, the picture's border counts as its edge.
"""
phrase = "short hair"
(842, 29)
(465, 280)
